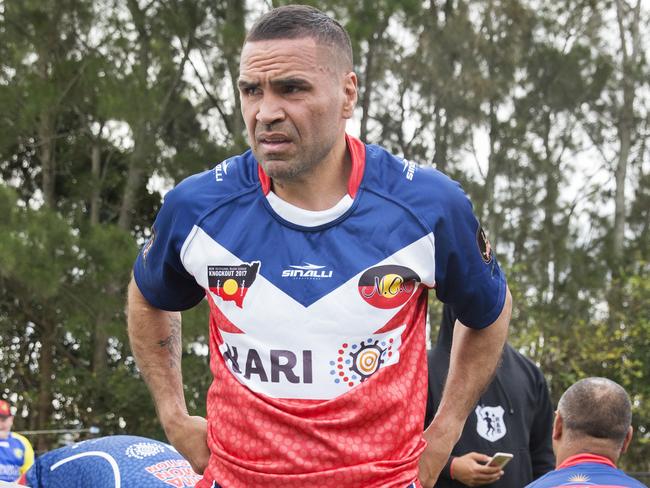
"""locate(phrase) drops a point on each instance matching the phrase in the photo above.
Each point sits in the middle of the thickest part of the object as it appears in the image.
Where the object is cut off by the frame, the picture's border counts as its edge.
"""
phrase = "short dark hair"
(596, 407)
(298, 21)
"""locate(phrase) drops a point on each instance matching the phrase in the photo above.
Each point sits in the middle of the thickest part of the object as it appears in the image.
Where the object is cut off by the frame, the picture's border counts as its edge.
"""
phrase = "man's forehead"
(303, 53)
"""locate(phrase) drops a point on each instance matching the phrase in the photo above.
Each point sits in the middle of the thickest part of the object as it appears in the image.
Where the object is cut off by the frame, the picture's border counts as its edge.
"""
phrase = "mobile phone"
(500, 459)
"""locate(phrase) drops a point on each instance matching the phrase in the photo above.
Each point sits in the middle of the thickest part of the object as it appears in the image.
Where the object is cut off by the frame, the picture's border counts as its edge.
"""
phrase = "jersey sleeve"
(158, 270)
(28, 456)
(467, 274)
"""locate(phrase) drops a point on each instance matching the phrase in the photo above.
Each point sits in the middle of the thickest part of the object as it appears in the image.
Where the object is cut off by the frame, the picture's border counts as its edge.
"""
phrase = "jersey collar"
(357, 155)
(585, 458)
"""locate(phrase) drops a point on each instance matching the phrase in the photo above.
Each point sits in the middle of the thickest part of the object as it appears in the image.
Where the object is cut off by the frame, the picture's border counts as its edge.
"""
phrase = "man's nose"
(270, 110)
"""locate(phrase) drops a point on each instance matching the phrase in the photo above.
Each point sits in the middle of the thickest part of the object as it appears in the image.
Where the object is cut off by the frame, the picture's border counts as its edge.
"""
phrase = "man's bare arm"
(474, 358)
(156, 342)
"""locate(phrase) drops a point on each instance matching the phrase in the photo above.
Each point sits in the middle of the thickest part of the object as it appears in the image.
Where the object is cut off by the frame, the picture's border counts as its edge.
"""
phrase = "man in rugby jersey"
(592, 429)
(16, 453)
(315, 253)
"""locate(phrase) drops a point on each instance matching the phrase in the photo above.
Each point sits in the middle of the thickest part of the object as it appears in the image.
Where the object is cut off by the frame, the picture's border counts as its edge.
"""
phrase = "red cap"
(5, 409)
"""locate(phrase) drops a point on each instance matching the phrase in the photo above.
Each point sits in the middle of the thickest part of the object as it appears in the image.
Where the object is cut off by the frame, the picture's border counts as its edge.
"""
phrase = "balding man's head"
(596, 408)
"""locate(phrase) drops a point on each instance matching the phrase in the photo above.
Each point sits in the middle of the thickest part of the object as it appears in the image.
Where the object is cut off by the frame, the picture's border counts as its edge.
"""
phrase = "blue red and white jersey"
(16, 456)
(121, 461)
(317, 319)
(586, 470)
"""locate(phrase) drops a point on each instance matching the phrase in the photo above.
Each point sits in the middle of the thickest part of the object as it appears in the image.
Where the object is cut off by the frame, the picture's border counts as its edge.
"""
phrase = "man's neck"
(598, 447)
(4, 434)
(324, 186)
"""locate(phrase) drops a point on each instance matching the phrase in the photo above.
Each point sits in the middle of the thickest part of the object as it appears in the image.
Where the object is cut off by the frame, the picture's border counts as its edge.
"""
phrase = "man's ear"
(628, 439)
(350, 84)
(558, 426)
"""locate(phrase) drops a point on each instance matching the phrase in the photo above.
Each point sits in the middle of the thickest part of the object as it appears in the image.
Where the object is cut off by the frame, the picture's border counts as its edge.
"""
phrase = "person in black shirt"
(513, 415)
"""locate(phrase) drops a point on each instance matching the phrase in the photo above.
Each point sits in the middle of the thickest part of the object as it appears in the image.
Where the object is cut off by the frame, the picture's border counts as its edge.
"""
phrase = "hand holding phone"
(500, 459)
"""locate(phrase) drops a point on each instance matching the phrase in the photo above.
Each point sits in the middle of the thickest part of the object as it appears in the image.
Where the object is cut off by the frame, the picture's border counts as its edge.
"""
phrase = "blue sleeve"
(158, 271)
(468, 276)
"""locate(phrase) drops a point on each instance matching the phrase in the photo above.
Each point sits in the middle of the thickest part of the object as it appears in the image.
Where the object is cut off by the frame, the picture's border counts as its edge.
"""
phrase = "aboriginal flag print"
(231, 283)
(388, 286)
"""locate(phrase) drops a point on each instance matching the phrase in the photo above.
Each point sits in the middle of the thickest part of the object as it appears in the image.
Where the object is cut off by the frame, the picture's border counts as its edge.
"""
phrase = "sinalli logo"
(409, 169)
(221, 170)
(308, 271)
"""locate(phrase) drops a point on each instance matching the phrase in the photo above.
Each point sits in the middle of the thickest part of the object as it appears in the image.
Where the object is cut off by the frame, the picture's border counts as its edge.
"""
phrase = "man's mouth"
(273, 142)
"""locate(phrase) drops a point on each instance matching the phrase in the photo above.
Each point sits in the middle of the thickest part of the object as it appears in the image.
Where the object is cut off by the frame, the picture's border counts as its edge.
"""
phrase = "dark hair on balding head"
(299, 21)
(596, 407)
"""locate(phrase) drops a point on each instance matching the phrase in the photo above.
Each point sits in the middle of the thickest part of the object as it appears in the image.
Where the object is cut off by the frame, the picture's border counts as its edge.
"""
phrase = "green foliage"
(102, 99)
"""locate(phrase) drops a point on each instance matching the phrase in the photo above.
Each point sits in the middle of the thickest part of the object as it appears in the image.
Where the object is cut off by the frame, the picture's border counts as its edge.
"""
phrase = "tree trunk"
(138, 160)
(550, 206)
(235, 19)
(487, 213)
(625, 126)
(100, 353)
(367, 89)
(95, 192)
(440, 153)
(46, 370)
(133, 183)
(368, 77)
(46, 154)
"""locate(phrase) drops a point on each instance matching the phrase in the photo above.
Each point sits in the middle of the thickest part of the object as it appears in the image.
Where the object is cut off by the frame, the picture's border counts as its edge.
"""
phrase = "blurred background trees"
(540, 109)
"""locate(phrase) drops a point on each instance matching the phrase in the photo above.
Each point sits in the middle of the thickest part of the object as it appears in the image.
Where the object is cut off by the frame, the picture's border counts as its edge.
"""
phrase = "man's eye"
(251, 91)
(292, 89)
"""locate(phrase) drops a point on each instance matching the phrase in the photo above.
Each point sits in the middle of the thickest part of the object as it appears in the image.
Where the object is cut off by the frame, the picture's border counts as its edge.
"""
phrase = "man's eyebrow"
(243, 84)
(292, 81)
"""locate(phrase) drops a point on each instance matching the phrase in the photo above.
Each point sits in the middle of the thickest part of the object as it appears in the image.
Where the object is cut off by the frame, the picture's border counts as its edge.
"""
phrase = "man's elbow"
(499, 328)
(134, 297)
(136, 304)
(506, 311)
(503, 322)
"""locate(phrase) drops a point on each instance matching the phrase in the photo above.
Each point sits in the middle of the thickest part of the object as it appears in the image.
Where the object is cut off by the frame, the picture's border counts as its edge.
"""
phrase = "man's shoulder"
(586, 474)
(416, 185)
(227, 179)
(21, 439)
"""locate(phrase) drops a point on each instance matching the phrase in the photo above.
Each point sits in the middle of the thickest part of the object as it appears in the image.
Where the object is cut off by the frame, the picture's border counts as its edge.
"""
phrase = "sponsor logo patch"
(409, 169)
(355, 363)
(484, 245)
(388, 286)
(148, 244)
(307, 271)
(231, 283)
(272, 366)
(221, 170)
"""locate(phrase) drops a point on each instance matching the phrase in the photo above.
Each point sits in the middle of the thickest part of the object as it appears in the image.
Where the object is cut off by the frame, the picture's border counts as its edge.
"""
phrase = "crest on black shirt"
(489, 422)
